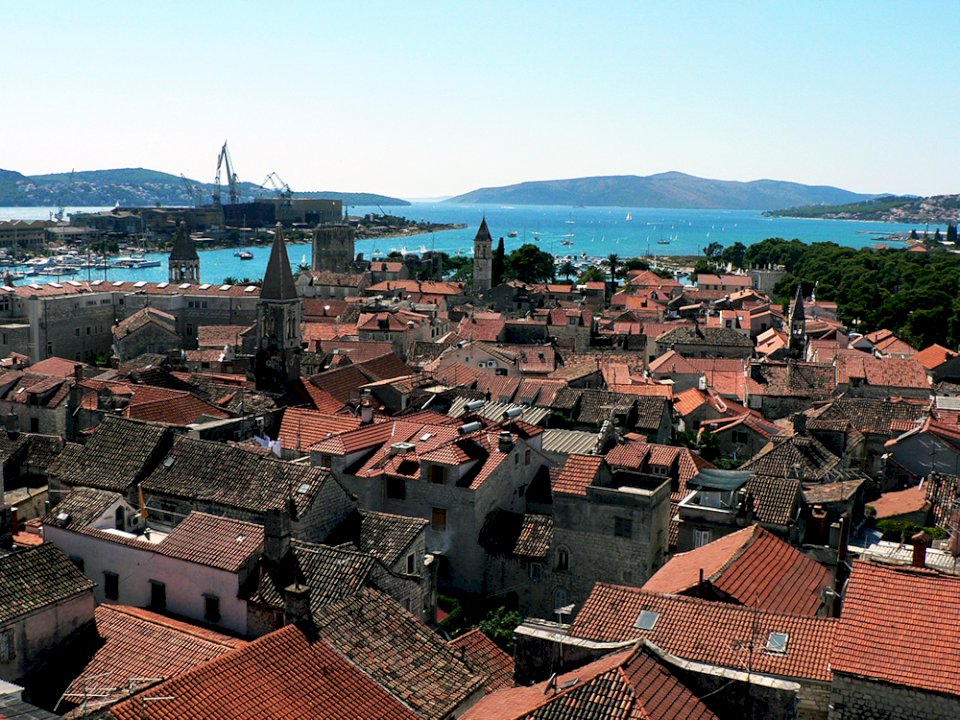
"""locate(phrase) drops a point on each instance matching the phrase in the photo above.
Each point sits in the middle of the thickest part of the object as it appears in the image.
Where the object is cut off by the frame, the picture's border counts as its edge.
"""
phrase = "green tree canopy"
(593, 274)
(499, 264)
(530, 264)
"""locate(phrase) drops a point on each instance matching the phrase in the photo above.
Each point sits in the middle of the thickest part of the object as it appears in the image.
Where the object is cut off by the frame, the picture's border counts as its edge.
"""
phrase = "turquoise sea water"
(594, 231)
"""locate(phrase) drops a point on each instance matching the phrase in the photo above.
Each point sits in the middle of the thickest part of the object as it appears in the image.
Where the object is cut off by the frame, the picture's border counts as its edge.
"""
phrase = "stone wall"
(852, 697)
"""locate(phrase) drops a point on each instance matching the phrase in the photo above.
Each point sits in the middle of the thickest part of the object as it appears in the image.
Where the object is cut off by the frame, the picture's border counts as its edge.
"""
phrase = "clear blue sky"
(421, 99)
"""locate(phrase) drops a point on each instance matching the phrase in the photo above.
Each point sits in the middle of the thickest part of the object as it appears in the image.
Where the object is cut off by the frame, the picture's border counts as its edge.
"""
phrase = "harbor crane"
(61, 209)
(193, 191)
(277, 184)
(233, 184)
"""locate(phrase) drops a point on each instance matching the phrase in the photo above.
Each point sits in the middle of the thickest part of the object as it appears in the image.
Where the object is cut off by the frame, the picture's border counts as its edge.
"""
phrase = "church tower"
(798, 328)
(482, 259)
(184, 263)
(279, 313)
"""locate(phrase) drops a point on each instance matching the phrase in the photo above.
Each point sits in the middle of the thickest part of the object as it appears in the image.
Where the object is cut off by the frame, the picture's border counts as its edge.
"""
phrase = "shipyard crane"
(193, 191)
(277, 184)
(233, 184)
(61, 209)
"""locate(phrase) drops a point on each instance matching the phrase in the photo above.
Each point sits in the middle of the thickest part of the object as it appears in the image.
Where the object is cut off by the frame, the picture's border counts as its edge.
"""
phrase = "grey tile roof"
(686, 335)
(36, 578)
(517, 535)
(383, 535)
(228, 476)
(82, 506)
(118, 455)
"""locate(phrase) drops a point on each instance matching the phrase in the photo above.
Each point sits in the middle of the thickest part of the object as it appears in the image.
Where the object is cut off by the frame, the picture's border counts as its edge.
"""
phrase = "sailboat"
(629, 217)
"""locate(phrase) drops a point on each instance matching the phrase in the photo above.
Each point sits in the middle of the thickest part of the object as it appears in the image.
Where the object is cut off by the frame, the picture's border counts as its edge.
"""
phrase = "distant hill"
(936, 209)
(665, 190)
(138, 187)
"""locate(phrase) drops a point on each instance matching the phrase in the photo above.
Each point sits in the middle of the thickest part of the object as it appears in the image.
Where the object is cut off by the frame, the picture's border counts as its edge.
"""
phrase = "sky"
(428, 99)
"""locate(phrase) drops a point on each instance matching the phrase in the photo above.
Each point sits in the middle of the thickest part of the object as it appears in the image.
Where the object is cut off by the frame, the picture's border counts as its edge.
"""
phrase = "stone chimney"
(296, 603)
(921, 541)
(366, 407)
(505, 441)
(800, 423)
(276, 535)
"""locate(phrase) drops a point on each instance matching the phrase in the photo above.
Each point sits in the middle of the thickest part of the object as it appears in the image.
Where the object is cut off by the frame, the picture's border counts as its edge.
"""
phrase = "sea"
(579, 232)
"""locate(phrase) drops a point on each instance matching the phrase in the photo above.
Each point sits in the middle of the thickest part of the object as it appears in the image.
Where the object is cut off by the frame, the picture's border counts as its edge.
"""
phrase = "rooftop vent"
(401, 448)
(505, 441)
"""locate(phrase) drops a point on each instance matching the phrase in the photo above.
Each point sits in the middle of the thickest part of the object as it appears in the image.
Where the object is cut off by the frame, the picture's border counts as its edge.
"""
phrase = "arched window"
(563, 559)
(120, 519)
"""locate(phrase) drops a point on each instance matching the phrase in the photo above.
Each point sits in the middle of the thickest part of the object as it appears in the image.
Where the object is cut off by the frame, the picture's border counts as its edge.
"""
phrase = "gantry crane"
(277, 184)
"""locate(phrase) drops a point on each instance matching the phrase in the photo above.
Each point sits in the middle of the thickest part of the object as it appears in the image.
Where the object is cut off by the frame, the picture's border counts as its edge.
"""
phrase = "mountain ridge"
(139, 187)
(671, 189)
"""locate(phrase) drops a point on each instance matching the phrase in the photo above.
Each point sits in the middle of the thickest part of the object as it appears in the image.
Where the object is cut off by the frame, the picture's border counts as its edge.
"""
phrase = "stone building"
(482, 259)
(333, 247)
(184, 262)
(146, 331)
(279, 315)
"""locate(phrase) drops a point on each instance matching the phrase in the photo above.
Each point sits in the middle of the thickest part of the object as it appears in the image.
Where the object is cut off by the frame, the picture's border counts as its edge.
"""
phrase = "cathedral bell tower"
(184, 263)
(279, 313)
(482, 259)
(798, 327)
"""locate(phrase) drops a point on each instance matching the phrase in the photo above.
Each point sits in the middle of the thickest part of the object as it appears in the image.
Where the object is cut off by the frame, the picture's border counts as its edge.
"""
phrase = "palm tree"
(567, 269)
(613, 259)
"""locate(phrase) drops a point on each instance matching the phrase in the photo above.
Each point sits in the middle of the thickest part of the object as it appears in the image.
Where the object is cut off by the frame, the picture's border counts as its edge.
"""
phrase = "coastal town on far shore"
(489, 485)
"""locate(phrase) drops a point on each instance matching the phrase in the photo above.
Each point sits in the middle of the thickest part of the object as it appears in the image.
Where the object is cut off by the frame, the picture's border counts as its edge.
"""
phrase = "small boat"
(629, 217)
(245, 255)
(663, 241)
(58, 270)
(512, 233)
(41, 262)
(566, 242)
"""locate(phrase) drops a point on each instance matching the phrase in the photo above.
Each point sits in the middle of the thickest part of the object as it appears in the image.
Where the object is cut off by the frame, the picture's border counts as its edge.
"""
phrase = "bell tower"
(798, 327)
(279, 313)
(184, 263)
(482, 259)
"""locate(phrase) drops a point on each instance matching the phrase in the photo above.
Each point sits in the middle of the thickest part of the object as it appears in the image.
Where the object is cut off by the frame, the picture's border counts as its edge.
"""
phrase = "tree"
(952, 233)
(713, 251)
(593, 274)
(567, 269)
(913, 235)
(499, 626)
(734, 255)
(937, 237)
(635, 264)
(613, 258)
(499, 264)
(529, 264)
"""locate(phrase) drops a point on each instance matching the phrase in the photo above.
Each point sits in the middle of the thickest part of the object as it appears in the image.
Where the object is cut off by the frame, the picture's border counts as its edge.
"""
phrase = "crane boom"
(233, 183)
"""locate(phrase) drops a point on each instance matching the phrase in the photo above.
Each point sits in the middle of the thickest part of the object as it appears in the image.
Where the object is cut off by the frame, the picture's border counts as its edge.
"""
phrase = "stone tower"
(333, 247)
(482, 259)
(184, 263)
(279, 313)
(798, 329)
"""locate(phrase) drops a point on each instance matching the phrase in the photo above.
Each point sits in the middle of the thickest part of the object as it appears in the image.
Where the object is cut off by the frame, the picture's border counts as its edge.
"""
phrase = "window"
(740, 437)
(34, 425)
(158, 595)
(8, 648)
(189, 329)
(501, 371)
(111, 585)
(76, 331)
(437, 474)
(563, 560)
(572, 321)
(701, 538)
(88, 329)
(77, 562)
(211, 607)
(438, 520)
(623, 527)
(526, 457)
(411, 563)
(710, 498)
(49, 349)
(326, 461)
(396, 489)
(646, 620)
(536, 571)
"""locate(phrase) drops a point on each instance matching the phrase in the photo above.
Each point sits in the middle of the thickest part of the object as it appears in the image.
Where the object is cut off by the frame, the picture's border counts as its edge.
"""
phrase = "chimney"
(366, 408)
(276, 535)
(505, 441)
(77, 372)
(953, 547)
(921, 541)
(800, 423)
(296, 603)
(14, 520)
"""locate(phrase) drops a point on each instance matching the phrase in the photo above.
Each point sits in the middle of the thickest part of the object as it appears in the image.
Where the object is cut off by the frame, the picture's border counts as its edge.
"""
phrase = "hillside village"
(327, 495)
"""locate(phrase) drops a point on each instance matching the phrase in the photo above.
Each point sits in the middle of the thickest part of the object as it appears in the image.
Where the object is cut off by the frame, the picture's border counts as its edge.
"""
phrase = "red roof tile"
(483, 657)
(709, 632)
(901, 502)
(902, 626)
(301, 428)
(212, 540)
(577, 474)
(751, 566)
(286, 675)
(934, 356)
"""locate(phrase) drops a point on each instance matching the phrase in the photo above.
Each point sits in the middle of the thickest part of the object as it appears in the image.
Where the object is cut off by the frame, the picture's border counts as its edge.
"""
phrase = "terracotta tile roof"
(636, 456)
(347, 443)
(709, 632)
(792, 379)
(501, 387)
(486, 329)
(537, 391)
(775, 500)
(56, 367)
(35, 578)
(82, 505)
(458, 375)
(483, 657)
(212, 540)
(301, 428)
(885, 372)
(180, 410)
(629, 685)
(287, 675)
(942, 491)
(934, 356)
(136, 643)
(901, 626)
(688, 401)
(577, 474)
(875, 416)
(383, 535)
(901, 502)
(399, 653)
(322, 400)
(141, 319)
(517, 535)
(216, 336)
(343, 383)
(751, 566)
